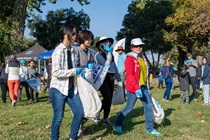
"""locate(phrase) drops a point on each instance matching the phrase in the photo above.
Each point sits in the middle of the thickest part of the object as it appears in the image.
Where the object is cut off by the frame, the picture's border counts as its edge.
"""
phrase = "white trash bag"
(158, 112)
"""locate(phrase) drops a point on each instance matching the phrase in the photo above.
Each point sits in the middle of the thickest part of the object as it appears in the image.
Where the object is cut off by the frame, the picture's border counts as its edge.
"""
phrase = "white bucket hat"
(103, 39)
(136, 41)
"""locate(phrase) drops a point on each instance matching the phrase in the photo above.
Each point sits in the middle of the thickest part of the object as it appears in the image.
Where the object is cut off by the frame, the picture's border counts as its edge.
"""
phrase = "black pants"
(193, 81)
(4, 89)
(32, 94)
(24, 84)
(106, 90)
(160, 84)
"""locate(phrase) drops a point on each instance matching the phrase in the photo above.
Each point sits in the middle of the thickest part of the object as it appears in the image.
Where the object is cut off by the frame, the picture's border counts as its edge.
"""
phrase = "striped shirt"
(60, 71)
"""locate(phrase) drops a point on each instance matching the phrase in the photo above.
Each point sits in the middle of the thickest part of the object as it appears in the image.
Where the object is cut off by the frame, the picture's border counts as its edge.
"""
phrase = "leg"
(16, 87)
(131, 100)
(25, 84)
(76, 106)
(3, 89)
(31, 93)
(187, 96)
(168, 88)
(147, 103)
(20, 90)
(206, 94)
(106, 90)
(58, 105)
(182, 97)
(193, 83)
(11, 89)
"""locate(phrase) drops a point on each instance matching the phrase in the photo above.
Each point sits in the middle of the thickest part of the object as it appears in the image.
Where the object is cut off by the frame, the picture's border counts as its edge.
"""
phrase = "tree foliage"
(13, 14)
(145, 19)
(46, 31)
(190, 27)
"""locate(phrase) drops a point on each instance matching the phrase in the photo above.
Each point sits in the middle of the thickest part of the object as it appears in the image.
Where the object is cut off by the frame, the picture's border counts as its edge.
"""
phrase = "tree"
(13, 14)
(190, 27)
(46, 31)
(145, 19)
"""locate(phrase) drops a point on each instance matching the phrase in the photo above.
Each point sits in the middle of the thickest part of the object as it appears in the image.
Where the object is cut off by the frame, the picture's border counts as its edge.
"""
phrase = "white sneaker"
(13, 103)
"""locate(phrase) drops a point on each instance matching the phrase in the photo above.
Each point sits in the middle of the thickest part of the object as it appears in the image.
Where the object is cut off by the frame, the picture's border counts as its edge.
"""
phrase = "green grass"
(182, 122)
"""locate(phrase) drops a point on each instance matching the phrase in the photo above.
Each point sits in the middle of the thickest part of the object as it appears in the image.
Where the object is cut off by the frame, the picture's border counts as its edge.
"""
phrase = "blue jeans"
(167, 92)
(58, 103)
(147, 103)
(206, 94)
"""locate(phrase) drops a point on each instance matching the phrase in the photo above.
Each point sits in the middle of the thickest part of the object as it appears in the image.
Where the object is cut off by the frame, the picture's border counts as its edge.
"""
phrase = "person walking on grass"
(184, 83)
(3, 83)
(206, 81)
(23, 82)
(104, 57)
(136, 87)
(63, 86)
(85, 58)
(13, 71)
(32, 72)
(167, 75)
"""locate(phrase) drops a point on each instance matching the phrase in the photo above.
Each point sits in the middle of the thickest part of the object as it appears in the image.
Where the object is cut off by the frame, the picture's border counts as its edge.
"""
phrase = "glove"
(78, 70)
(91, 65)
(107, 47)
(139, 93)
(120, 83)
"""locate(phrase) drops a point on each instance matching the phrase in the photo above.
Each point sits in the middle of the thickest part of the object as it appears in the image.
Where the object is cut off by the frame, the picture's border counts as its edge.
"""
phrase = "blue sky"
(106, 15)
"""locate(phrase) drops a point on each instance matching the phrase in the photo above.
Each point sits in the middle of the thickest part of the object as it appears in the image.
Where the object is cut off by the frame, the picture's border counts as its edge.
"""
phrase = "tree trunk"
(19, 15)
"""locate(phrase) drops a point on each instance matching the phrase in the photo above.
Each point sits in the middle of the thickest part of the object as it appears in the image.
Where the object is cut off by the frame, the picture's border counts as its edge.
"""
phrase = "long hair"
(68, 30)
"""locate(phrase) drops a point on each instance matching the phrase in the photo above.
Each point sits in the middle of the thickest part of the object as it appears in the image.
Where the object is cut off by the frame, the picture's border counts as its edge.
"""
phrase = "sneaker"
(13, 103)
(163, 99)
(155, 132)
(167, 100)
(96, 119)
(107, 121)
(117, 129)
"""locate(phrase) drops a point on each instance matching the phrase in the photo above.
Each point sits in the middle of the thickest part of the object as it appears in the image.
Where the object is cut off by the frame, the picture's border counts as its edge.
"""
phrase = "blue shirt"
(120, 62)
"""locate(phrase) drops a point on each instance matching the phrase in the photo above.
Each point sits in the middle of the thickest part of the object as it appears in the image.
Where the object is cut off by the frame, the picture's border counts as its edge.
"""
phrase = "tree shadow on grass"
(174, 96)
(167, 122)
(128, 124)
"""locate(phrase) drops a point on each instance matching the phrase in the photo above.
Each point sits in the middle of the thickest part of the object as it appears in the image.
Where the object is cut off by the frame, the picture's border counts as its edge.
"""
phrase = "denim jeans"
(167, 92)
(58, 103)
(206, 94)
(147, 103)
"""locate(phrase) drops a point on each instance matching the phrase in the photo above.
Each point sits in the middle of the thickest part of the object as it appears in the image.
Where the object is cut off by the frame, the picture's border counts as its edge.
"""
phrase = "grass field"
(29, 121)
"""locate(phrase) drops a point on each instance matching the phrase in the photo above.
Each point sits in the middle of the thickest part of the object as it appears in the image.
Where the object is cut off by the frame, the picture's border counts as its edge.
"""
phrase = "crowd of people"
(69, 60)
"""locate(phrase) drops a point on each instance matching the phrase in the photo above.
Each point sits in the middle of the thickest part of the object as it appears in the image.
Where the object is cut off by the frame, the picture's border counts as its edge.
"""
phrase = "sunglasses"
(138, 46)
(73, 34)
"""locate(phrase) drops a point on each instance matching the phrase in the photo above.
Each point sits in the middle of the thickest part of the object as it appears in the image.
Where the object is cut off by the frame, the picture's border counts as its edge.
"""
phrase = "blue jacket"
(206, 74)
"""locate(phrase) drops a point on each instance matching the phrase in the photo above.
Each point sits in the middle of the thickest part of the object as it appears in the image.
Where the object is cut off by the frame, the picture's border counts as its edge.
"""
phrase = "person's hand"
(139, 93)
(107, 48)
(91, 65)
(78, 70)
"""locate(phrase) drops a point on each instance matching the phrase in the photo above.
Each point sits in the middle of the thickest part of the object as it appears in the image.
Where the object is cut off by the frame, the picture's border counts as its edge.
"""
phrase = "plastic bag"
(119, 96)
(89, 98)
(158, 112)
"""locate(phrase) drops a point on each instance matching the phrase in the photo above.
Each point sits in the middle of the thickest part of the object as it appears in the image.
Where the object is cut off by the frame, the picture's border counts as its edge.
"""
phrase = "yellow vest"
(143, 72)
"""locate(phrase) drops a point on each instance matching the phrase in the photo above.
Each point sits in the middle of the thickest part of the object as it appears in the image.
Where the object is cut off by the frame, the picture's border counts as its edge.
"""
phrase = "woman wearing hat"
(104, 57)
(136, 87)
(120, 61)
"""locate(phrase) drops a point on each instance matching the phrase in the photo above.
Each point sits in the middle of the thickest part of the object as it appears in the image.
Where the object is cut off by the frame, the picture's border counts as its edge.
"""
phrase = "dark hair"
(31, 61)
(183, 67)
(68, 30)
(85, 35)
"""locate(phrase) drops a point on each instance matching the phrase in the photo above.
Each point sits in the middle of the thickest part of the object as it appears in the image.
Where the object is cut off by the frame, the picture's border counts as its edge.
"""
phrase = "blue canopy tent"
(46, 55)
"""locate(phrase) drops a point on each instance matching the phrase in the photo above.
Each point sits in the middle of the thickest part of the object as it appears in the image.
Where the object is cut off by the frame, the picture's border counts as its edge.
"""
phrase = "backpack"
(165, 72)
